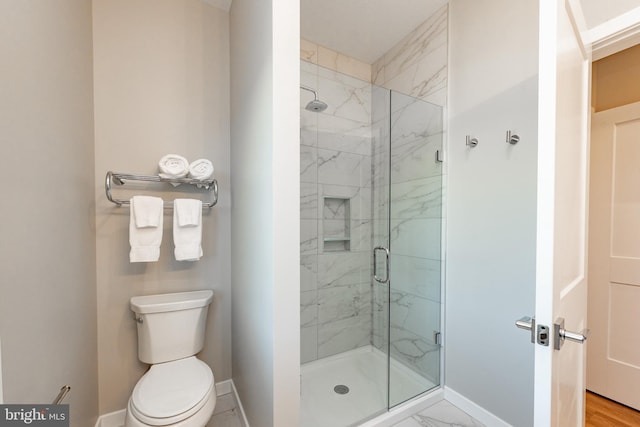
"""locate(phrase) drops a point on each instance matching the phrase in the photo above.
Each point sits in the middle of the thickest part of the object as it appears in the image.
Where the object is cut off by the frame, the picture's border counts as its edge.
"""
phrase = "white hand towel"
(201, 169)
(173, 166)
(145, 228)
(147, 211)
(187, 229)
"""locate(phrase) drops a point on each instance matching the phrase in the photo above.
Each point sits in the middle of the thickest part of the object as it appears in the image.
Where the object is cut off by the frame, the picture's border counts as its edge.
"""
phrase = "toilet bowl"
(178, 390)
(179, 393)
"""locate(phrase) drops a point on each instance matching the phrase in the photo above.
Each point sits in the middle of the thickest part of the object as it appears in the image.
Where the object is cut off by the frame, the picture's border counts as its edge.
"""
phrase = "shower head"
(316, 105)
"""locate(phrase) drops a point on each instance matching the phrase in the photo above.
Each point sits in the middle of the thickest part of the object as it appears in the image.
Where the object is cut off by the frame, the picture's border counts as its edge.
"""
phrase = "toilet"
(178, 390)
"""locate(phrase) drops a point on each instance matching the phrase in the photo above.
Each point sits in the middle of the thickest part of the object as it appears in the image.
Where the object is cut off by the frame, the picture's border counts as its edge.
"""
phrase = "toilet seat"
(171, 392)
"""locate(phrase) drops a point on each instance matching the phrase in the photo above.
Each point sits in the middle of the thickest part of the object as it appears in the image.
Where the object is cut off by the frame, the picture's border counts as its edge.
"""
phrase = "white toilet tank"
(170, 326)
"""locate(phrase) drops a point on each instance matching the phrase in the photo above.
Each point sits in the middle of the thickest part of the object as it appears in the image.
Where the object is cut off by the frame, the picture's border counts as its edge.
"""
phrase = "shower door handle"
(375, 264)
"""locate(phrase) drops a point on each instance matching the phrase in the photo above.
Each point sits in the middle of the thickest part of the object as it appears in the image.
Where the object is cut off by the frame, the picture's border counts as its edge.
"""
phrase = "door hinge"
(437, 337)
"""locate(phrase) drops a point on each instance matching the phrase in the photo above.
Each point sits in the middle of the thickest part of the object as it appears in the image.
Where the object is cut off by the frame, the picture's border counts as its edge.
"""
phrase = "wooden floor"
(602, 412)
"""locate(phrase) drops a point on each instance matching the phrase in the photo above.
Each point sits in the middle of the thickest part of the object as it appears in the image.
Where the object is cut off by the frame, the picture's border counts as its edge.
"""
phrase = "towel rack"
(63, 393)
(120, 178)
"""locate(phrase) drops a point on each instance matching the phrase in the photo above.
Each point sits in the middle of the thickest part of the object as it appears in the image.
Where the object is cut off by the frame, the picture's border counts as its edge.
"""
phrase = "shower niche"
(336, 220)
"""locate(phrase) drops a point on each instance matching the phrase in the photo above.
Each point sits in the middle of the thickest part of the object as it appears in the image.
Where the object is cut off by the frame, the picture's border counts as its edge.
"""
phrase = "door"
(561, 286)
(415, 220)
(407, 202)
(614, 256)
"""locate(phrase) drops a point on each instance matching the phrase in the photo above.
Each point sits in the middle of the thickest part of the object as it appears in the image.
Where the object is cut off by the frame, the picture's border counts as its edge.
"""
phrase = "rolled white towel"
(173, 166)
(201, 169)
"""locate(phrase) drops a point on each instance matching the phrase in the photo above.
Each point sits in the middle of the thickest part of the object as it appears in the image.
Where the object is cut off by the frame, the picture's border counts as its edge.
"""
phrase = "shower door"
(407, 201)
(369, 179)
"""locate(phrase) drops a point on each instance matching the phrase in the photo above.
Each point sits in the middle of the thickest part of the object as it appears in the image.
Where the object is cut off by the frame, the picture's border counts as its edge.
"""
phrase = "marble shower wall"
(407, 203)
(341, 308)
(336, 61)
(417, 65)
(415, 234)
(381, 100)
(335, 160)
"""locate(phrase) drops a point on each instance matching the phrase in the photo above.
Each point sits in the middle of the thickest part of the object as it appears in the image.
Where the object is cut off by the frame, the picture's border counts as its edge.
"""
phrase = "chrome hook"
(471, 142)
(512, 139)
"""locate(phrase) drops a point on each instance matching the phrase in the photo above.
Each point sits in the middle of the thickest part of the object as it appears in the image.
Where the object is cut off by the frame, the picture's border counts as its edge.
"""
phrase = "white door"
(561, 286)
(614, 255)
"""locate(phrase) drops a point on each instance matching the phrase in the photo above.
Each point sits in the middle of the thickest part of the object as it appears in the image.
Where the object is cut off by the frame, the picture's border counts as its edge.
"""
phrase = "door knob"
(561, 334)
(528, 324)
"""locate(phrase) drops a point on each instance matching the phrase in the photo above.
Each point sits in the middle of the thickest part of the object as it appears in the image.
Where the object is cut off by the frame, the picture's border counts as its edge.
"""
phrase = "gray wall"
(266, 218)
(491, 217)
(47, 256)
(161, 86)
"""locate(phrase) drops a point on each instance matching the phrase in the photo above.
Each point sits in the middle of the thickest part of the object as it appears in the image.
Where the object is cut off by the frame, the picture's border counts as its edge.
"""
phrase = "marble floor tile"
(228, 418)
(442, 414)
(225, 414)
(224, 403)
(409, 422)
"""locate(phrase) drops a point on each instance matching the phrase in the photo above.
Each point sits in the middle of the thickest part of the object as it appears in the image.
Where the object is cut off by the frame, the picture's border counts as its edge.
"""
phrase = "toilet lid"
(172, 391)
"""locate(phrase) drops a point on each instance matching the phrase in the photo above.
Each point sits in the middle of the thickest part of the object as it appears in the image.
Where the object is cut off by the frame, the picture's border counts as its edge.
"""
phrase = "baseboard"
(405, 410)
(112, 419)
(239, 404)
(224, 387)
(471, 408)
(116, 419)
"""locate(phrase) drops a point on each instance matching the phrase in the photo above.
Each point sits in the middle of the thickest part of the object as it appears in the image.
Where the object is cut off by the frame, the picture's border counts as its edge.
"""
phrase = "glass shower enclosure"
(371, 215)
(407, 202)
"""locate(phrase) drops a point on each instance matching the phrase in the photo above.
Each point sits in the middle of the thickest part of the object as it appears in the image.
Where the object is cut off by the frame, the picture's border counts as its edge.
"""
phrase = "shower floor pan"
(363, 372)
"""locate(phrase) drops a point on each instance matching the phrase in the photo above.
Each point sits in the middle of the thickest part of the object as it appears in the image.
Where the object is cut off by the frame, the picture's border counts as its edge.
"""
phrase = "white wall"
(47, 255)
(491, 215)
(597, 12)
(265, 212)
(161, 86)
